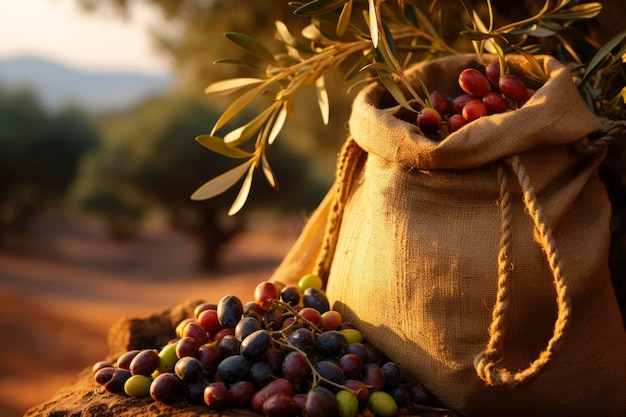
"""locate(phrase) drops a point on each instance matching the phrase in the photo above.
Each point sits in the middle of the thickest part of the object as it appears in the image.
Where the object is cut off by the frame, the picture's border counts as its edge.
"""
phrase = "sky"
(59, 30)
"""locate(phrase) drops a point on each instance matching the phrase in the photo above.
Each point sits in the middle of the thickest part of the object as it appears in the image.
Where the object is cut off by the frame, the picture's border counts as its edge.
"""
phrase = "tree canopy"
(39, 154)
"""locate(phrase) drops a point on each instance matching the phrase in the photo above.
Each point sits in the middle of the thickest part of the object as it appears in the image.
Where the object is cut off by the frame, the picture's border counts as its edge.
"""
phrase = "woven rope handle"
(485, 362)
(612, 131)
(347, 163)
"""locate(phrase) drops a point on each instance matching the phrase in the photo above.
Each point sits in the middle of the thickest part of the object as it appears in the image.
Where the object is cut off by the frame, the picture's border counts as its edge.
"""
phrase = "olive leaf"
(230, 86)
(252, 46)
(294, 46)
(292, 88)
(344, 18)
(217, 144)
(313, 33)
(269, 174)
(396, 34)
(316, 7)
(579, 11)
(423, 22)
(238, 62)
(536, 30)
(322, 99)
(222, 182)
(537, 72)
(358, 66)
(279, 122)
(373, 22)
(601, 55)
(235, 107)
(242, 197)
(243, 133)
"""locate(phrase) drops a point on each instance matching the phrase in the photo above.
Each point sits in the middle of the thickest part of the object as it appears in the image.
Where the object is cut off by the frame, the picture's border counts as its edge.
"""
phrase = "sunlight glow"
(59, 30)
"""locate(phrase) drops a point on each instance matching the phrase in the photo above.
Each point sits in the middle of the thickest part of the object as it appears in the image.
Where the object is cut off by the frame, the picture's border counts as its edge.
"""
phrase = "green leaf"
(241, 198)
(230, 86)
(395, 90)
(538, 31)
(269, 175)
(358, 66)
(245, 132)
(278, 123)
(424, 23)
(322, 99)
(490, 44)
(252, 46)
(292, 88)
(476, 35)
(316, 7)
(293, 45)
(239, 62)
(344, 18)
(373, 22)
(221, 183)
(287, 60)
(216, 144)
(235, 107)
(601, 54)
(537, 72)
(579, 12)
(410, 14)
(468, 7)
(389, 44)
(313, 33)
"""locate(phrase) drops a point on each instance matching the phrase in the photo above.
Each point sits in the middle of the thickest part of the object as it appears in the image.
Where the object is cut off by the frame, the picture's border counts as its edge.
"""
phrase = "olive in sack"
(229, 311)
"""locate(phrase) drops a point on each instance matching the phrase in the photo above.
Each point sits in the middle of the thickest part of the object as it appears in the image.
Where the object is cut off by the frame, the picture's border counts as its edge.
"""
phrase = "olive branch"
(378, 40)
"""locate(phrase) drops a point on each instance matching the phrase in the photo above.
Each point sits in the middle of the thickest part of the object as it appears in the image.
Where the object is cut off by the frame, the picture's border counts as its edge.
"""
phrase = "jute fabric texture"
(479, 263)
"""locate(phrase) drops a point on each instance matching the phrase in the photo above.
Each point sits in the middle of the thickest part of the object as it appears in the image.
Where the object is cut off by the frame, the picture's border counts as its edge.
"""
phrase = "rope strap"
(347, 163)
(485, 362)
(612, 131)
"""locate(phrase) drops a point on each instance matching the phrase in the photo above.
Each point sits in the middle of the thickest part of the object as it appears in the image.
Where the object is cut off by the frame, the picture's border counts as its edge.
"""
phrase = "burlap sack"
(479, 264)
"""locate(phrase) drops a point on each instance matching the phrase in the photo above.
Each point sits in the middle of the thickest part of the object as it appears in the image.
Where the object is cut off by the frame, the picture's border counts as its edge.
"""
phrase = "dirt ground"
(65, 283)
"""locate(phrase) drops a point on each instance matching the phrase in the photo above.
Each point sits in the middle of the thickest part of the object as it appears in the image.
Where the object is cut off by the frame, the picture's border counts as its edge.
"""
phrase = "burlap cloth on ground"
(479, 263)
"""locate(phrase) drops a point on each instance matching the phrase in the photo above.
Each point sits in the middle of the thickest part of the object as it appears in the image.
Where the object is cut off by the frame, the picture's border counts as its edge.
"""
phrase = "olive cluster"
(285, 353)
(485, 93)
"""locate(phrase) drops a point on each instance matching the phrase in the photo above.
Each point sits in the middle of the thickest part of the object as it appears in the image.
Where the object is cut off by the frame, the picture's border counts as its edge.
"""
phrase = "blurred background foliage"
(149, 161)
(123, 166)
(39, 155)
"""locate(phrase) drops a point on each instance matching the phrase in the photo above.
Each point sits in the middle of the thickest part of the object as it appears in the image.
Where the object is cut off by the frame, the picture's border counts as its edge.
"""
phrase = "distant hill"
(57, 85)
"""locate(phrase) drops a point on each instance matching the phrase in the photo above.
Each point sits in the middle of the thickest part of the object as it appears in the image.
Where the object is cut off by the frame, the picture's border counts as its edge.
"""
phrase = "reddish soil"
(64, 283)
